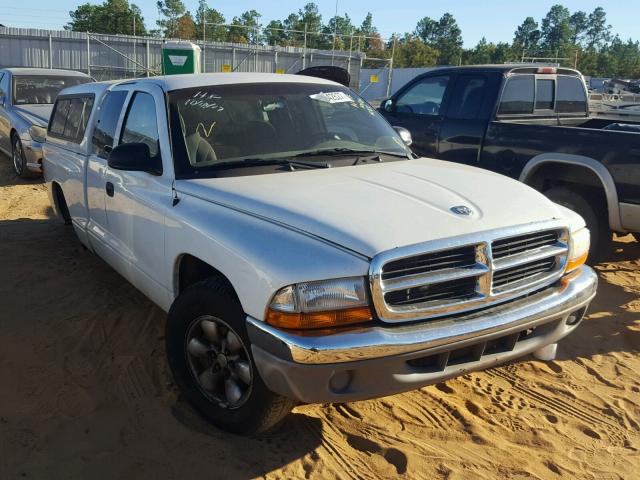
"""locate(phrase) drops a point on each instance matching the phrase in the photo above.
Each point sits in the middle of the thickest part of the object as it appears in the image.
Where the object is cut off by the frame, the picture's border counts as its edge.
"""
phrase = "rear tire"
(216, 374)
(595, 216)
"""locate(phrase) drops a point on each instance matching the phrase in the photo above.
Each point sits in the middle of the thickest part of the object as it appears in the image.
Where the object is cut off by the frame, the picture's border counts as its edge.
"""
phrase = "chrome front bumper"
(381, 360)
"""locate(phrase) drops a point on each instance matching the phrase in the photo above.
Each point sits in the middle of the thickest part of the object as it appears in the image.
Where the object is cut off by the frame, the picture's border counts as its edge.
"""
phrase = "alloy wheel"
(17, 157)
(219, 362)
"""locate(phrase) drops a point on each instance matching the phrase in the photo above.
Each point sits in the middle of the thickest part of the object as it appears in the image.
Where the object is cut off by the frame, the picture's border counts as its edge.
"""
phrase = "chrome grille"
(465, 273)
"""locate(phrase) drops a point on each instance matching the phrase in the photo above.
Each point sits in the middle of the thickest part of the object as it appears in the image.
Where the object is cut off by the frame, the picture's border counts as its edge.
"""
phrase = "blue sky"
(494, 19)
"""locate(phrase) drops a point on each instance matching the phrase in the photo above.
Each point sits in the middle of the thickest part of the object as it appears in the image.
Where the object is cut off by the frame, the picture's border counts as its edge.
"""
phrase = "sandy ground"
(86, 393)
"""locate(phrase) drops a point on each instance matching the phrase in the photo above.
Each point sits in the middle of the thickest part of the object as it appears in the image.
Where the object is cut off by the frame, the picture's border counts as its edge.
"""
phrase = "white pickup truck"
(303, 254)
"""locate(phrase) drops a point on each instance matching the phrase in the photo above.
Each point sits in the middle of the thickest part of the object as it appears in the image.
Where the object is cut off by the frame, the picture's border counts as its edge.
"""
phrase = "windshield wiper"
(259, 162)
(341, 151)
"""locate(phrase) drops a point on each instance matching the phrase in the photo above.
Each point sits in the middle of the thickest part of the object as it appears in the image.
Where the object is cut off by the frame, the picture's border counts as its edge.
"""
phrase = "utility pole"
(335, 31)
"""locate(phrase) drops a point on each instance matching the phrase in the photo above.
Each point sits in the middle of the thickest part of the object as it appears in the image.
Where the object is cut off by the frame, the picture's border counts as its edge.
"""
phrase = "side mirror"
(135, 157)
(387, 105)
(405, 135)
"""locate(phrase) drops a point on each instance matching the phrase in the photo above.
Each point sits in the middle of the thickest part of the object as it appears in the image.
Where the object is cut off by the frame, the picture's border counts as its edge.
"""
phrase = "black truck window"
(518, 95)
(140, 124)
(107, 122)
(423, 97)
(572, 97)
(70, 117)
(467, 97)
(545, 94)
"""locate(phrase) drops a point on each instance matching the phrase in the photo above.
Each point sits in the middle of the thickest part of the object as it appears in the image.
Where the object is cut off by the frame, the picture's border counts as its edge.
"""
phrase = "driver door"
(419, 107)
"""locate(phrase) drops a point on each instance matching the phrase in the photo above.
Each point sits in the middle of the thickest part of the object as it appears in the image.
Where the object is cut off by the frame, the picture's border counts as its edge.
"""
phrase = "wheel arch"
(604, 178)
(190, 269)
(60, 202)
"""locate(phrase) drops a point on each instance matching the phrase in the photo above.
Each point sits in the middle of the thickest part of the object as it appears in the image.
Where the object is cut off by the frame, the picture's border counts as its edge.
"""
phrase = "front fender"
(257, 256)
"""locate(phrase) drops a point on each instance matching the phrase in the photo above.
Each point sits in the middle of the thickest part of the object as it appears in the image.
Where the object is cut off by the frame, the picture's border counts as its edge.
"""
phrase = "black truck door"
(419, 107)
(468, 113)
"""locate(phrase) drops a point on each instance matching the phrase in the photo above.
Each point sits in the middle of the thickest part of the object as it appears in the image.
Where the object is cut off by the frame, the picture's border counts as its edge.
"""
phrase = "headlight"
(39, 134)
(578, 249)
(322, 304)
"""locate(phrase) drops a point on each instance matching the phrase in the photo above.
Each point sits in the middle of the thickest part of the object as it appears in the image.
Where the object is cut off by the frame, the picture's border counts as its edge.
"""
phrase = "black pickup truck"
(531, 123)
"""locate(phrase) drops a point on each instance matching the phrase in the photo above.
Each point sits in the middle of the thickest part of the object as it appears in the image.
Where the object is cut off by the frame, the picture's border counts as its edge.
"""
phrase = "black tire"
(593, 209)
(18, 159)
(261, 409)
(63, 209)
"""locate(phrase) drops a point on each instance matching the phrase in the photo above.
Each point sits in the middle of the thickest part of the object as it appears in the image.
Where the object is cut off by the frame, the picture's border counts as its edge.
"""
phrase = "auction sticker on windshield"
(331, 97)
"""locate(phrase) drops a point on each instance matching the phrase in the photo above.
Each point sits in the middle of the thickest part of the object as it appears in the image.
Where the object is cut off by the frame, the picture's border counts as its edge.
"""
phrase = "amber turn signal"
(326, 319)
(574, 263)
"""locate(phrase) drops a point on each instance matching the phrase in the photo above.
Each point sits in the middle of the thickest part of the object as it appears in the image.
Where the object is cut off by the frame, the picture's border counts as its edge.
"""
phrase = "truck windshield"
(37, 89)
(225, 126)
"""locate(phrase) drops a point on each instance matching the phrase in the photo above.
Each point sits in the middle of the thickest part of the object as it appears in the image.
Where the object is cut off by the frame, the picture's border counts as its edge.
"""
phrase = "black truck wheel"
(595, 216)
(210, 356)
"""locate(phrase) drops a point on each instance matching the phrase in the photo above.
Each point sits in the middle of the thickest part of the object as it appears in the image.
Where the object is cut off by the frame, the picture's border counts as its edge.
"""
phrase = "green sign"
(176, 61)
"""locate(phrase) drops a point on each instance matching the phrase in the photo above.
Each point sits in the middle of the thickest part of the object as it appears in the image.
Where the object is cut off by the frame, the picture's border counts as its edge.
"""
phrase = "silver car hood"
(35, 114)
(377, 207)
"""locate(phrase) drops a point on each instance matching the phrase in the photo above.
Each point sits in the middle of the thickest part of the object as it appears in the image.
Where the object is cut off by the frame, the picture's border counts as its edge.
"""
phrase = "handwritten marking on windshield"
(205, 101)
(206, 132)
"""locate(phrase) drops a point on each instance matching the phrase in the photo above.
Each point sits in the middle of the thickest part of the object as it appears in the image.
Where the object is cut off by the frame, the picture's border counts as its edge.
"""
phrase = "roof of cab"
(51, 72)
(177, 82)
(507, 68)
(97, 88)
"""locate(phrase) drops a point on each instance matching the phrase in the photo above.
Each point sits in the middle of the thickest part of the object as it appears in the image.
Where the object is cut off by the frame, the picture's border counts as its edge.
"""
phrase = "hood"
(35, 114)
(377, 207)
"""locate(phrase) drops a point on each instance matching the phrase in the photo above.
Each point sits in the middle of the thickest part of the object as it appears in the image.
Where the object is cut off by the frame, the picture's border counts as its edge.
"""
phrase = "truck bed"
(509, 145)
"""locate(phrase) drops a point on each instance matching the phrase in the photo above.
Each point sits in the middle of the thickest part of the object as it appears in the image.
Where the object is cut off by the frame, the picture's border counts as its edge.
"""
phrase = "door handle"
(109, 189)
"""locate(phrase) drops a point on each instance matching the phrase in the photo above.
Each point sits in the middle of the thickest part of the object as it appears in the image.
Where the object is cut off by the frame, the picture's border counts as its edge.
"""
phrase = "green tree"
(171, 11)
(212, 16)
(556, 31)
(247, 31)
(527, 37)
(411, 52)
(579, 23)
(443, 35)
(341, 26)
(113, 16)
(598, 33)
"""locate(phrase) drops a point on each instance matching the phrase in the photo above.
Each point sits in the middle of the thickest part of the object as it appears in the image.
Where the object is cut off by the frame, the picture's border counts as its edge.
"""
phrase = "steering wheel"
(327, 136)
(431, 107)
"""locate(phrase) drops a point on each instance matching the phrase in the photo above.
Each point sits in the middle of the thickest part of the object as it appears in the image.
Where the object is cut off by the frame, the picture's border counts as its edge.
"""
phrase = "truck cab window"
(108, 117)
(517, 97)
(545, 94)
(571, 95)
(467, 97)
(70, 117)
(424, 97)
(140, 124)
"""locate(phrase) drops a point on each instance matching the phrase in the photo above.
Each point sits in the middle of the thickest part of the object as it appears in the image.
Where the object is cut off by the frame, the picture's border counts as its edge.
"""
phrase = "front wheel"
(595, 215)
(210, 356)
(17, 155)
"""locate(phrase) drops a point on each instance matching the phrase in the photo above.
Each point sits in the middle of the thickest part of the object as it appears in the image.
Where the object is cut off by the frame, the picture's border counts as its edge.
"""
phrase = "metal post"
(393, 50)
(204, 43)
(88, 54)
(233, 59)
(275, 60)
(50, 52)
(135, 70)
(304, 48)
(255, 59)
(349, 60)
(148, 59)
(335, 31)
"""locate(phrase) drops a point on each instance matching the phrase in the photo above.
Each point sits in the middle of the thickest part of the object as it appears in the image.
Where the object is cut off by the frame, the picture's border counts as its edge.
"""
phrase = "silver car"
(26, 99)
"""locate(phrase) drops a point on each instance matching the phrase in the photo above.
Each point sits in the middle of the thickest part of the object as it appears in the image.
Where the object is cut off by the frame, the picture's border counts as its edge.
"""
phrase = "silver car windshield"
(40, 89)
(217, 126)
